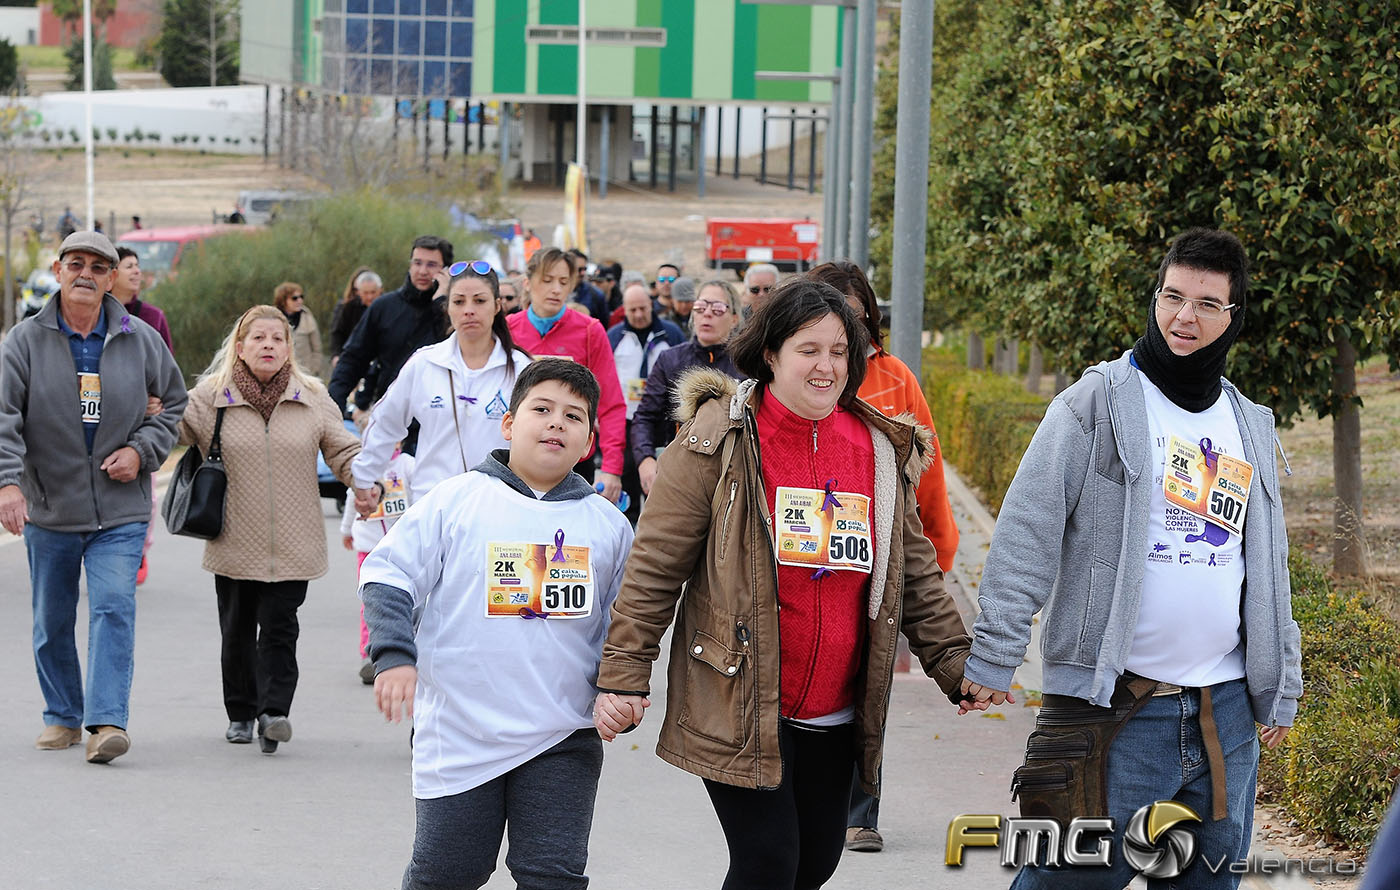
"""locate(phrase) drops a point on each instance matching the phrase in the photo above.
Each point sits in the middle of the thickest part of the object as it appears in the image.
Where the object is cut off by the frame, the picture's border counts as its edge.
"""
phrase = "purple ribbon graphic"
(829, 502)
(1211, 455)
(470, 400)
(558, 547)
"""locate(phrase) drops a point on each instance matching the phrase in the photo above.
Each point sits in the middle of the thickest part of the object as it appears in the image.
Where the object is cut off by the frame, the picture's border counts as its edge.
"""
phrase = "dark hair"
(792, 306)
(499, 328)
(433, 242)
(124, 252)
(1211, 250)
(850, 280)
(545, 258)
(668, 266)
(574, 251)
(575, 377)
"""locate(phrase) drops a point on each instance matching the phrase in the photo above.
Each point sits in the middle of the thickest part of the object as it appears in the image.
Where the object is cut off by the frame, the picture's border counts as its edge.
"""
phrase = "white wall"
(215, 114)
(19, 26)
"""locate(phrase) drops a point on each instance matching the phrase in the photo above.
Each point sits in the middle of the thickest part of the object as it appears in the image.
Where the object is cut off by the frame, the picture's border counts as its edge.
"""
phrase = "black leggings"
(790, 838)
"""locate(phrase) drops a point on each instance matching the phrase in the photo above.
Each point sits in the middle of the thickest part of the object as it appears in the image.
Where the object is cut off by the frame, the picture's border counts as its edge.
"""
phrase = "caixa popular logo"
(1156, 842)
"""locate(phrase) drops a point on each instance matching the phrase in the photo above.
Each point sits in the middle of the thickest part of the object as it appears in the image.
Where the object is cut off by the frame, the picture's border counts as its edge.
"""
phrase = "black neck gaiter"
(1191, 382)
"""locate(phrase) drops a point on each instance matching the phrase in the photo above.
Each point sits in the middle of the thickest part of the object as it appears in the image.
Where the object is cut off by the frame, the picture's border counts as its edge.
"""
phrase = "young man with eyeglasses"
(394, 327)
(1145, 519)
(76, 444)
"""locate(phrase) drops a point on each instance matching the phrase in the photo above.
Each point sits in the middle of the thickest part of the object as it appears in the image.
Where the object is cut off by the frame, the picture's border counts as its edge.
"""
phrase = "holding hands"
(977, 697)
(614, 714)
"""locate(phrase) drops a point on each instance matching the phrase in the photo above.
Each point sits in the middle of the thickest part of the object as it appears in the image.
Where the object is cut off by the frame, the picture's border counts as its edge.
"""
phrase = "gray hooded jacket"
(1072, 537)
(43, 448)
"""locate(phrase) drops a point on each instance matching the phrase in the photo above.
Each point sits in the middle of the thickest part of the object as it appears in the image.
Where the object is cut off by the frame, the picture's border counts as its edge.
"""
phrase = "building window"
(435, 78)
(356, 76)
(383, 44)
(360, 6)
(383, 7)
(435, 38)
(410, 7)
(462, 8)
(410, 37)
(461, 40)
(435, 7)
(461, 79)
(357, 35)
(381, 77)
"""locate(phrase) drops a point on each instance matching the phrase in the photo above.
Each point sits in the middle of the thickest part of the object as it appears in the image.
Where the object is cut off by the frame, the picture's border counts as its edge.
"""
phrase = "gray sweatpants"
(547, 804)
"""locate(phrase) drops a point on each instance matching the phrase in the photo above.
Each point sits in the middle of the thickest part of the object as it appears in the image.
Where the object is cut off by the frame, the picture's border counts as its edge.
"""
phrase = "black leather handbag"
(194, 502)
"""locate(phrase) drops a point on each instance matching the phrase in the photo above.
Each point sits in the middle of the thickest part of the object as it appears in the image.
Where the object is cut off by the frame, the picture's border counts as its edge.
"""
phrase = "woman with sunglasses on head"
(549, 330)
(290, 297)
(713, 317)
(457, 390)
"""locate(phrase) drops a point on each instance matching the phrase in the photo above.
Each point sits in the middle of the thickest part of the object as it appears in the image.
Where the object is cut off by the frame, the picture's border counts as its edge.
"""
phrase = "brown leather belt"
(1210, 737)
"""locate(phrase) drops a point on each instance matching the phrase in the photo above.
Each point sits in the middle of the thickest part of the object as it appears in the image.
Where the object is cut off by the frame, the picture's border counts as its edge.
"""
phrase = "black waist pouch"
(1065, 773)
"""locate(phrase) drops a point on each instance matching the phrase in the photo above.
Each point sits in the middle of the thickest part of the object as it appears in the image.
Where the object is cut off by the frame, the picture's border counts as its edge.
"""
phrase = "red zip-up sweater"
(821, 621)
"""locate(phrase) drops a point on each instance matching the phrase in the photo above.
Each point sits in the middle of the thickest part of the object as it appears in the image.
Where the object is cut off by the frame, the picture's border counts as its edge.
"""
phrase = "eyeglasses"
(480, 267)
(761, 289)
(297, 297)
(665, 279)
(1205, 310)
(76, 267)
(717, 308)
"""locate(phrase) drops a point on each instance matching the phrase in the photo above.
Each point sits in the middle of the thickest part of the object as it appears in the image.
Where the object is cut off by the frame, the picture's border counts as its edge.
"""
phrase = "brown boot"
(107, 743)
(56, 738)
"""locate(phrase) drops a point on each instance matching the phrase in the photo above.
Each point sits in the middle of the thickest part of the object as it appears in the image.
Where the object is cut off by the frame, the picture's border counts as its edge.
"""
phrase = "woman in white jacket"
(457, 390)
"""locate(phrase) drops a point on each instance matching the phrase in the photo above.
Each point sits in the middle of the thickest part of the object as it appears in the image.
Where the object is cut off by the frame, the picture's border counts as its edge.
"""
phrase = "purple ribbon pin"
(829, 501)
(296, 396)
(1211, 455)
(558, 547)
(228, 395)
(822, 573)
(126, 324)
(468, 399)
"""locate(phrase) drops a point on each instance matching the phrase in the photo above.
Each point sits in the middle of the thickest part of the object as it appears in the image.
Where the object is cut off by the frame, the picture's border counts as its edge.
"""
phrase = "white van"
(261, 206)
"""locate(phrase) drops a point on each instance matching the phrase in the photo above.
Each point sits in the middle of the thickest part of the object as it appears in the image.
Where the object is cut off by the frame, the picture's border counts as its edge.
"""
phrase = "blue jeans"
(112, 557)
(1159, 755)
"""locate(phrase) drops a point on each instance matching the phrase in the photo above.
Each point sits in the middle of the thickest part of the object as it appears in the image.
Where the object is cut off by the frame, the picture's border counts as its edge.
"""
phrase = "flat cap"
(92, 242)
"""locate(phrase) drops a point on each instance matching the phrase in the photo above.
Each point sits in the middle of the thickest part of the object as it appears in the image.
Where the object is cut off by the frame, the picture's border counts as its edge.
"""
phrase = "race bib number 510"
(538, 580)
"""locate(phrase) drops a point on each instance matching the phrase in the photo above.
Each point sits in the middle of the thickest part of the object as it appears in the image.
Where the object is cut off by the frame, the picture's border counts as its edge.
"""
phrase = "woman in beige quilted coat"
(275, 418)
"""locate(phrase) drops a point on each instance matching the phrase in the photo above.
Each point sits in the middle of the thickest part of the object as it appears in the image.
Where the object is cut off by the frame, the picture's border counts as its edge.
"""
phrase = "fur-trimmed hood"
(701, 385)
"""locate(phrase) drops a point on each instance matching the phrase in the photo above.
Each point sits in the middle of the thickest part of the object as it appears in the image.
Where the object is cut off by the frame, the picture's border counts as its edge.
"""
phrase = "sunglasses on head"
(480, 267)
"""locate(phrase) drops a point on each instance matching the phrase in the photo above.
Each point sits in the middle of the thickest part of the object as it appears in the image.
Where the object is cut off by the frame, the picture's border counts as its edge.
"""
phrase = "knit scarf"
(263, 397)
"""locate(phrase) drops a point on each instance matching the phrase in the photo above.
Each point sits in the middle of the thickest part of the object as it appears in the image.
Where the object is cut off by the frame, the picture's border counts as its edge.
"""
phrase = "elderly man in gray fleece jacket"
(77, 450)
(1145, 520)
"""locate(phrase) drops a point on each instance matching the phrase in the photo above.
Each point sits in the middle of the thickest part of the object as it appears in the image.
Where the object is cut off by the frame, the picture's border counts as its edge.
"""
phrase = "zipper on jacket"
(271, 503)
(724, 530)
(92, 489)
(814, 437)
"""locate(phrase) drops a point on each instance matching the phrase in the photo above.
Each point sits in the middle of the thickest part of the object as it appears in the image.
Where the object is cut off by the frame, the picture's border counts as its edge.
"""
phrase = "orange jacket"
(892, 389)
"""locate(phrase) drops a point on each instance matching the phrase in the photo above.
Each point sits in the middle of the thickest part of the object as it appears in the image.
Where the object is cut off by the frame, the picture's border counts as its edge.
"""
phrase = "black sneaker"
(367, 673)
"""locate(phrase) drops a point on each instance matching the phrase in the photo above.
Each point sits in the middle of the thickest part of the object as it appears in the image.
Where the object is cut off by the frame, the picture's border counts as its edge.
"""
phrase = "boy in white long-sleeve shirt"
(515, 566)
(362, 533)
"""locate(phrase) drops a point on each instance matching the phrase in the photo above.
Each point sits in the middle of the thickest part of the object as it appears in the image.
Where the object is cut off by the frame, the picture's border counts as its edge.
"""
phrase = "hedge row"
(984, 421)
(1336, 772)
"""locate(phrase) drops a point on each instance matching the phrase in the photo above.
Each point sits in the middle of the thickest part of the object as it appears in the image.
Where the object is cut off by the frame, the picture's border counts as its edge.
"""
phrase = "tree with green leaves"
(102, 77)
(1072, 139)
(9, 67)
(198, 43)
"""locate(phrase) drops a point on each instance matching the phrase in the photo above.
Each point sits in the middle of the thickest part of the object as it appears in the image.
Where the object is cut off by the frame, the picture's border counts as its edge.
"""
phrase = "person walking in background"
(783, 655)
(682, 299)
(510, 294)
(547, 329)
(893, 390)
(759, 281)
(653, 425)
(272, 418)
(637, 342)
(77, 445)
(290, 297)
(363, 289)
(126, 287)
(455, 391)
(360, 534)
(394, 327)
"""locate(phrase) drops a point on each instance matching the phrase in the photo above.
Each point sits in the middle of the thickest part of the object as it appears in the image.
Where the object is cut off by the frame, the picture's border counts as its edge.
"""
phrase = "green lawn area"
(50, 58)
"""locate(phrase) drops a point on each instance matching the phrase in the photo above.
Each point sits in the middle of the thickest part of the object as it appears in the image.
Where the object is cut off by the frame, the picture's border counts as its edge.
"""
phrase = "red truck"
(789, 244)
